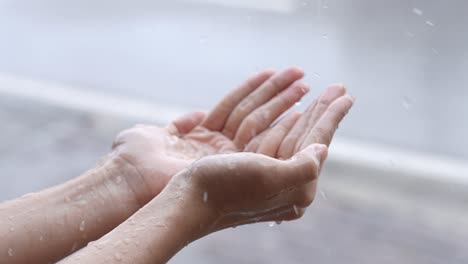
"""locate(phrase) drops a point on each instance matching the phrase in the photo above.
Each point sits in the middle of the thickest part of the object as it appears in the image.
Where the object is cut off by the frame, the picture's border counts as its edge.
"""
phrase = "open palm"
(242, 121)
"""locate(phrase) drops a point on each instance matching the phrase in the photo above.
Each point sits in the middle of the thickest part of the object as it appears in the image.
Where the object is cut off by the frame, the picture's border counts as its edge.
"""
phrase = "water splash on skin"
(118, 180)
(82, 225)
(296, 210)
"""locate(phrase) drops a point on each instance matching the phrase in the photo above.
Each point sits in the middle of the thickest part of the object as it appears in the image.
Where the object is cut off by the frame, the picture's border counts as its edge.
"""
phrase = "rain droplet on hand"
(82, 225)
(296, 210)
(11, 252)
(118, 180)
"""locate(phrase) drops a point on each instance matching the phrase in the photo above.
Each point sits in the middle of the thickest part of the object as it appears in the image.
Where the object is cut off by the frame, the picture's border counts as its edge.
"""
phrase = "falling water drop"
(430, 23)
(324, 196)
(407, 103)
(203, 39)
(418, 11)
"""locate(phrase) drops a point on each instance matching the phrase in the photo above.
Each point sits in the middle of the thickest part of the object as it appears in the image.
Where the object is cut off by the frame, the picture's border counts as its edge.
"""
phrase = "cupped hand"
(241, 188)
(155, 153)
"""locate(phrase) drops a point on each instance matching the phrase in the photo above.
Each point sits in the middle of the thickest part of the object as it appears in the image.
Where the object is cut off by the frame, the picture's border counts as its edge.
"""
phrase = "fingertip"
(295, 70)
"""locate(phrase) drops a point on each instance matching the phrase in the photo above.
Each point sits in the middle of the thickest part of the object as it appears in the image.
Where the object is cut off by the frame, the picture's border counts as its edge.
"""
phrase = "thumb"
(311, 159)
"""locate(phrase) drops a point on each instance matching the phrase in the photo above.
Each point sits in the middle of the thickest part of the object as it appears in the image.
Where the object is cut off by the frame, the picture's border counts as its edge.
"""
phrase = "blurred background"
(74, 73)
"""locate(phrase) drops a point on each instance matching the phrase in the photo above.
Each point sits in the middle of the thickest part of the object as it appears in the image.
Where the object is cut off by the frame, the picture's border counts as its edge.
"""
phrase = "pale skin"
(163, 187)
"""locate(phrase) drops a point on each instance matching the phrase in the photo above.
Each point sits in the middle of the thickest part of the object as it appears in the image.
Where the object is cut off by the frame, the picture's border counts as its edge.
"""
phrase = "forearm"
(46, 226)
(153, 234)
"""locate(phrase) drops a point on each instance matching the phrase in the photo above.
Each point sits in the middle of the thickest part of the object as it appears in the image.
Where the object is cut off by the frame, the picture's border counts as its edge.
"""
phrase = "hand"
(243, 188)
(158, 153)
(297, 131)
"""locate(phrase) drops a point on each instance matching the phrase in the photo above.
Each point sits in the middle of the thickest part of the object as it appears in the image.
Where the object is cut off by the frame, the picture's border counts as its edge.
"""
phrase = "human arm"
(212, 194)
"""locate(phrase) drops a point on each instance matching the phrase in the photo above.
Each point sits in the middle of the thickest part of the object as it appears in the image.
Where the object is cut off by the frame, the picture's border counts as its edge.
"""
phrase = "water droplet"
(231, 165)
(418, 11)
(407, 103)
(271, 224)
(316, 74)
(409, 34)
(82, 225)
(203, 39)
(41, 238)
(325, 36)
(298, 103)
(279, 222)
(305, 3)
(324, 196)
(74, 247)
(11, 252)
(118, 257)
(118, 180)
(430, 23)
(296, 210)
(205, 197)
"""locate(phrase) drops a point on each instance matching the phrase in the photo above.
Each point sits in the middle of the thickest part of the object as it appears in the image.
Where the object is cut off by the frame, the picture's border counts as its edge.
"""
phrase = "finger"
(325, 128)
(261, 118)
(290, 143)
(270, 143)
(267, 90)
(218, 116)
(187, 122)
(253, 145)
